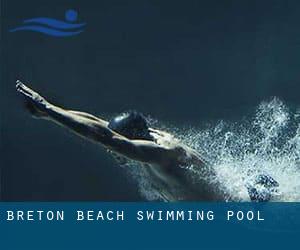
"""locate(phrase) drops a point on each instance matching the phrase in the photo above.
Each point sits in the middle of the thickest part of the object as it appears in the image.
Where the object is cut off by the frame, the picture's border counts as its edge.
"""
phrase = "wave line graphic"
(53, 27)
(47, 31)
(53, 23)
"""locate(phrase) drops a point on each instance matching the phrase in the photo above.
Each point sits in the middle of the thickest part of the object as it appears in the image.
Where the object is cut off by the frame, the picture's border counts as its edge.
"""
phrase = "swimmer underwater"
(165, 157)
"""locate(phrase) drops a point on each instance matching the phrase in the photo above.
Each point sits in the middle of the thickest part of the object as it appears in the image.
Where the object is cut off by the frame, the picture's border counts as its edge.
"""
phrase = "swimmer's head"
(132, 125)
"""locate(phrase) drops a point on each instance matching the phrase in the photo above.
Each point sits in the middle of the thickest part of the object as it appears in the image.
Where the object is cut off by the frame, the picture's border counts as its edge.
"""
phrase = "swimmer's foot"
(34, 103)
(264, 188)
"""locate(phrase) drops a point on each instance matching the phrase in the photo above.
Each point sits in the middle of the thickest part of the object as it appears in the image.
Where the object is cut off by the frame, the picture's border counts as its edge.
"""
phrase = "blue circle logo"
(71, 15)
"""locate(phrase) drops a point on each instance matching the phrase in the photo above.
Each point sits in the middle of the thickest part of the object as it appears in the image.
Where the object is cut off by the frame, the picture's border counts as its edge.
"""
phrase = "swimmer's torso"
(180, 183)
(177, 179)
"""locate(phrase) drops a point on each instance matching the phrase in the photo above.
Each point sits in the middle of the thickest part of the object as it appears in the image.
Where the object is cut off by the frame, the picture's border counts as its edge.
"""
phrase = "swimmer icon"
(53, 27)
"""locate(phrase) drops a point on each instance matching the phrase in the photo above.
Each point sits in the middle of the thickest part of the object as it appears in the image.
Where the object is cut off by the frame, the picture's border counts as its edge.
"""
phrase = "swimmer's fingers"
(37, 102)
(24, 90)
(28, 93)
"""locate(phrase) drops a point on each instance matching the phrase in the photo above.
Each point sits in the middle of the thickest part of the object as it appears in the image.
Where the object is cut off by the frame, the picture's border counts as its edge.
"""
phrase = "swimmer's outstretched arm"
(95, 129)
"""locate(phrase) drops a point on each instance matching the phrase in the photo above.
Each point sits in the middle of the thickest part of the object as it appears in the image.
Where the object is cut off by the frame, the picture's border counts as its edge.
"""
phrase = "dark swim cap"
(132, 125)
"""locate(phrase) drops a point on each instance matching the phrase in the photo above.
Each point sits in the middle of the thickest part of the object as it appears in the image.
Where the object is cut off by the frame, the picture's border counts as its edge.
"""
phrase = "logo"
(53, 27)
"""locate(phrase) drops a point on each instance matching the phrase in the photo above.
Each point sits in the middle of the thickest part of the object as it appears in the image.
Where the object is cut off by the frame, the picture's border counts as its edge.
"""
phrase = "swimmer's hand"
(35, 103)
